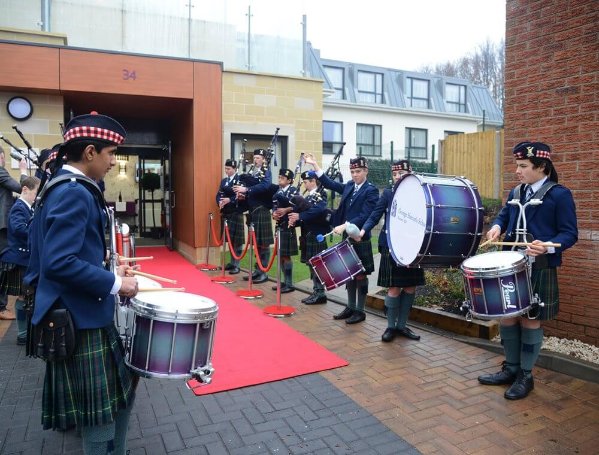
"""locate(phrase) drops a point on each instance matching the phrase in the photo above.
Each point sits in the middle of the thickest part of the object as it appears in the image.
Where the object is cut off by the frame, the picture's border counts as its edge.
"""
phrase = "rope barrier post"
(206, 265)
(223, 279)
(278, 310)
(250, 293)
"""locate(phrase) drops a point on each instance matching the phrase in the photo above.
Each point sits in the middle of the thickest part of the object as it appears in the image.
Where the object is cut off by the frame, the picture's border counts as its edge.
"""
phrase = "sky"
(398, 34)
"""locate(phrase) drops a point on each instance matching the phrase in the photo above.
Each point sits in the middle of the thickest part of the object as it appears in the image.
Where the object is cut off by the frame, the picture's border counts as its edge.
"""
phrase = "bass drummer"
(554, 220)
(358, 199)
(398, 302)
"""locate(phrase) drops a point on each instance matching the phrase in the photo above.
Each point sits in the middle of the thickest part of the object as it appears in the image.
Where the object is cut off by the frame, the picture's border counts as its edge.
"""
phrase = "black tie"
(528, 193)
(353, 195)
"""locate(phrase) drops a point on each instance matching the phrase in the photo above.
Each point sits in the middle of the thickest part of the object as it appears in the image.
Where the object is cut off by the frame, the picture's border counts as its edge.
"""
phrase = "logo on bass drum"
(508, 289)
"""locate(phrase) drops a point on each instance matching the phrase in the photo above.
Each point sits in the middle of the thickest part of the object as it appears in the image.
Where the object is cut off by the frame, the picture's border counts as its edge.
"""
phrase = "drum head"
(176, 306)
(147, 283)
(494, 261)
(407, 220)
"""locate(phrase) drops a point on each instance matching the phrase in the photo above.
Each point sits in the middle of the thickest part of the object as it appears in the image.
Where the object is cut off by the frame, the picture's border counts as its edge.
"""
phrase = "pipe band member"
(358, 200)
(232, 211)
(552, 221)
(400, 281)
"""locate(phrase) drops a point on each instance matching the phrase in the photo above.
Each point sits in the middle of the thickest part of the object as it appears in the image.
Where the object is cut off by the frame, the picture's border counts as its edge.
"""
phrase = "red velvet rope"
(214, 236)
(274, 253)
(247, 244)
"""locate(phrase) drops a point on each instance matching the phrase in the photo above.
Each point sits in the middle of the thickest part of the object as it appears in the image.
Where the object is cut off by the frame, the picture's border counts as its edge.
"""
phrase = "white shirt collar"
(537, 185)
(72, 169)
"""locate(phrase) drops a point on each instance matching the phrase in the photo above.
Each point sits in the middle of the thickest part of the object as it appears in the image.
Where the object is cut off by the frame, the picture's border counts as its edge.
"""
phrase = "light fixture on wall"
(19, 108)
(122, 168)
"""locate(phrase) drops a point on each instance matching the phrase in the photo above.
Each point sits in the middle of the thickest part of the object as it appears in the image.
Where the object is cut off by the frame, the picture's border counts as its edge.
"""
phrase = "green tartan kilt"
(89, 388)
(288, 242)
(261, 218)
(11, 279)
(310, 247)
(392, 275)
(544, 283)
(236, 228)
(364, 251)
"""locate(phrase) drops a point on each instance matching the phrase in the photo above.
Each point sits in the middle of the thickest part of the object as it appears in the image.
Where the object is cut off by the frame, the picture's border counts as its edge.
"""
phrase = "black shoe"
(234, 271)
(229, 266)
(21, 341)
(284, 289)
(505, 376)
(407, 332)
(389, 335)
(521, 387)
(316, 299)
(346, 313)
(263, 278)
(305, 299)
(255, 276)
(358, 316)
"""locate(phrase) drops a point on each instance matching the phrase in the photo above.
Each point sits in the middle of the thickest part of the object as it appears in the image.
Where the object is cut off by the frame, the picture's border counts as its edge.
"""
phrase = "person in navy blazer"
(554, 220)
(68, 269)
(15, 256)
(232, 211)
(358, 199)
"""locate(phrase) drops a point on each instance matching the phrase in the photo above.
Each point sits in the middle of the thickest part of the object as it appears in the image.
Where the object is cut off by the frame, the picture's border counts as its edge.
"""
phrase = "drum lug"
(465, 308)
(203, 374)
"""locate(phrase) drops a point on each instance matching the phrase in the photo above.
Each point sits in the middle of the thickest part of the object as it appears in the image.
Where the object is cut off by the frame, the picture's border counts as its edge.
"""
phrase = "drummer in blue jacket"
(358, 199)
(400, 281)
(15, 257)
(554, 220)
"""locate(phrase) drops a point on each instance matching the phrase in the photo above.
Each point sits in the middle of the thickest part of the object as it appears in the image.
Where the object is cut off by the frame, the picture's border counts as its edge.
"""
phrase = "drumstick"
(160, 289)
(141, 258)
(549, 244)
(154, 277)
(485, 243)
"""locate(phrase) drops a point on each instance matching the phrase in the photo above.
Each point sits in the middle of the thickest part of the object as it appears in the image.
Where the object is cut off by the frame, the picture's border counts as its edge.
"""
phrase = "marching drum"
(497, 284)
(434, 220)
(173, 333)
(123, 314)
(336, 265)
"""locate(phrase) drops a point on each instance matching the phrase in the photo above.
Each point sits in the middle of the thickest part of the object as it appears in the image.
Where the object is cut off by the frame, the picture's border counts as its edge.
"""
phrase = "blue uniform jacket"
(552, 221)
(314, 220)
(226, 190)
(68, 247)
(17, 251)
(382, 206)
(360, 208)
(261, 193)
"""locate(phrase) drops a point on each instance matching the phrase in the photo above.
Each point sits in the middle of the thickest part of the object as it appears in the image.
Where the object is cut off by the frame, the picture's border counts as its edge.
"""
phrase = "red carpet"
(249, 347)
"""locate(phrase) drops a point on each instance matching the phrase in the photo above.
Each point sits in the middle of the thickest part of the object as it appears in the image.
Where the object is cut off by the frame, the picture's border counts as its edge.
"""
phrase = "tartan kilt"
(89, 388)
(288, 242)
(364, 252)
(11, 279)
(261, 218)
(392, 275)
(236, 228)
(310, 247)
(544, 283)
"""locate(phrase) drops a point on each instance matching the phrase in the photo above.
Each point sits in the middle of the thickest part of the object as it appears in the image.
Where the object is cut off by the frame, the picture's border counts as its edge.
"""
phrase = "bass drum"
(434, 220)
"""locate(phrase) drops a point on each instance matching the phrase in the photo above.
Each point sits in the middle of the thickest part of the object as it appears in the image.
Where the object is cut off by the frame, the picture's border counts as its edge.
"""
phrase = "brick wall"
(552, 95)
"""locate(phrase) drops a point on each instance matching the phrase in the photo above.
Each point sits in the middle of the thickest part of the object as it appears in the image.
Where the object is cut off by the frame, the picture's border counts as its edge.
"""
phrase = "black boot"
(407, 332)
(316, 299)
(358, 316)
(505, 376)
(521, 387)
(346, 313)
(255, 276)
(305, 299)
(389, 335)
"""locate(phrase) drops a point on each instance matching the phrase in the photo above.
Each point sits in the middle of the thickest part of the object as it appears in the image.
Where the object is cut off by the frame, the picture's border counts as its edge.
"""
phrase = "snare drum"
(123, 314)
(497, 284)
(173, 333)
(434, 220)
(336, 265)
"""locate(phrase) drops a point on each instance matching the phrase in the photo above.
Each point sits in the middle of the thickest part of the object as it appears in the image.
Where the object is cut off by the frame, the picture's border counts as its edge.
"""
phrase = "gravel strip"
(572, 348)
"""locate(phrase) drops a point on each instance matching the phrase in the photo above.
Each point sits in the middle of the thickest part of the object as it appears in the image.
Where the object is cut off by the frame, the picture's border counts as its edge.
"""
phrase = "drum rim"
(489, 317)
(487, 272)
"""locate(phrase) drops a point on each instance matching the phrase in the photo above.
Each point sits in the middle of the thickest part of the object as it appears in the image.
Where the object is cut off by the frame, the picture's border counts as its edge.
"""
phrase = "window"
(335, 75)
(370, 87)
(332, 137)
(455, 97)
(368, 139)
(416, 143)
(417, 93)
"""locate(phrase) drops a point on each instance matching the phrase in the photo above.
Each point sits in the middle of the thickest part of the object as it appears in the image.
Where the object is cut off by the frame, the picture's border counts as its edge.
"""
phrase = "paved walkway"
(393, 398)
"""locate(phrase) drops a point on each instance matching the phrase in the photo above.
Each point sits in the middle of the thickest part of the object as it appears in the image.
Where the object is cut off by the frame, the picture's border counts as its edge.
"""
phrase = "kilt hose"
(393, 275)
(288, 242)
(364, 251)
(90, 387)
(261, 218)
(236, 228)
(544, 283)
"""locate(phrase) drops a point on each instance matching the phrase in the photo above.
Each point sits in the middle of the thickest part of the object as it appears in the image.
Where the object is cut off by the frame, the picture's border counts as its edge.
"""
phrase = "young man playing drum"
(552, 221)
(358, 199)
(92, 389)
(398, 302)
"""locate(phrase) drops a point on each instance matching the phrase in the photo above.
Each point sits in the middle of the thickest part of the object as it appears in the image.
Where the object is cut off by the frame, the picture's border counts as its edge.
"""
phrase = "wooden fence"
(476, 156)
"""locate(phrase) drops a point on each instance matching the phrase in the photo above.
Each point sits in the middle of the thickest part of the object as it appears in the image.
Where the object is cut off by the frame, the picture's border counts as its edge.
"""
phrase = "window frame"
(377, 94)
(410, 149)
(377, 149)
(328, 147)
(339, 91)
(410, 91)
(461, 106)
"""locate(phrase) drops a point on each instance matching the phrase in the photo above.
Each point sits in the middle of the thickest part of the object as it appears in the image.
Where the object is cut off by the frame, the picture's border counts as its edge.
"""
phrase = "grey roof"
(478, 98)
